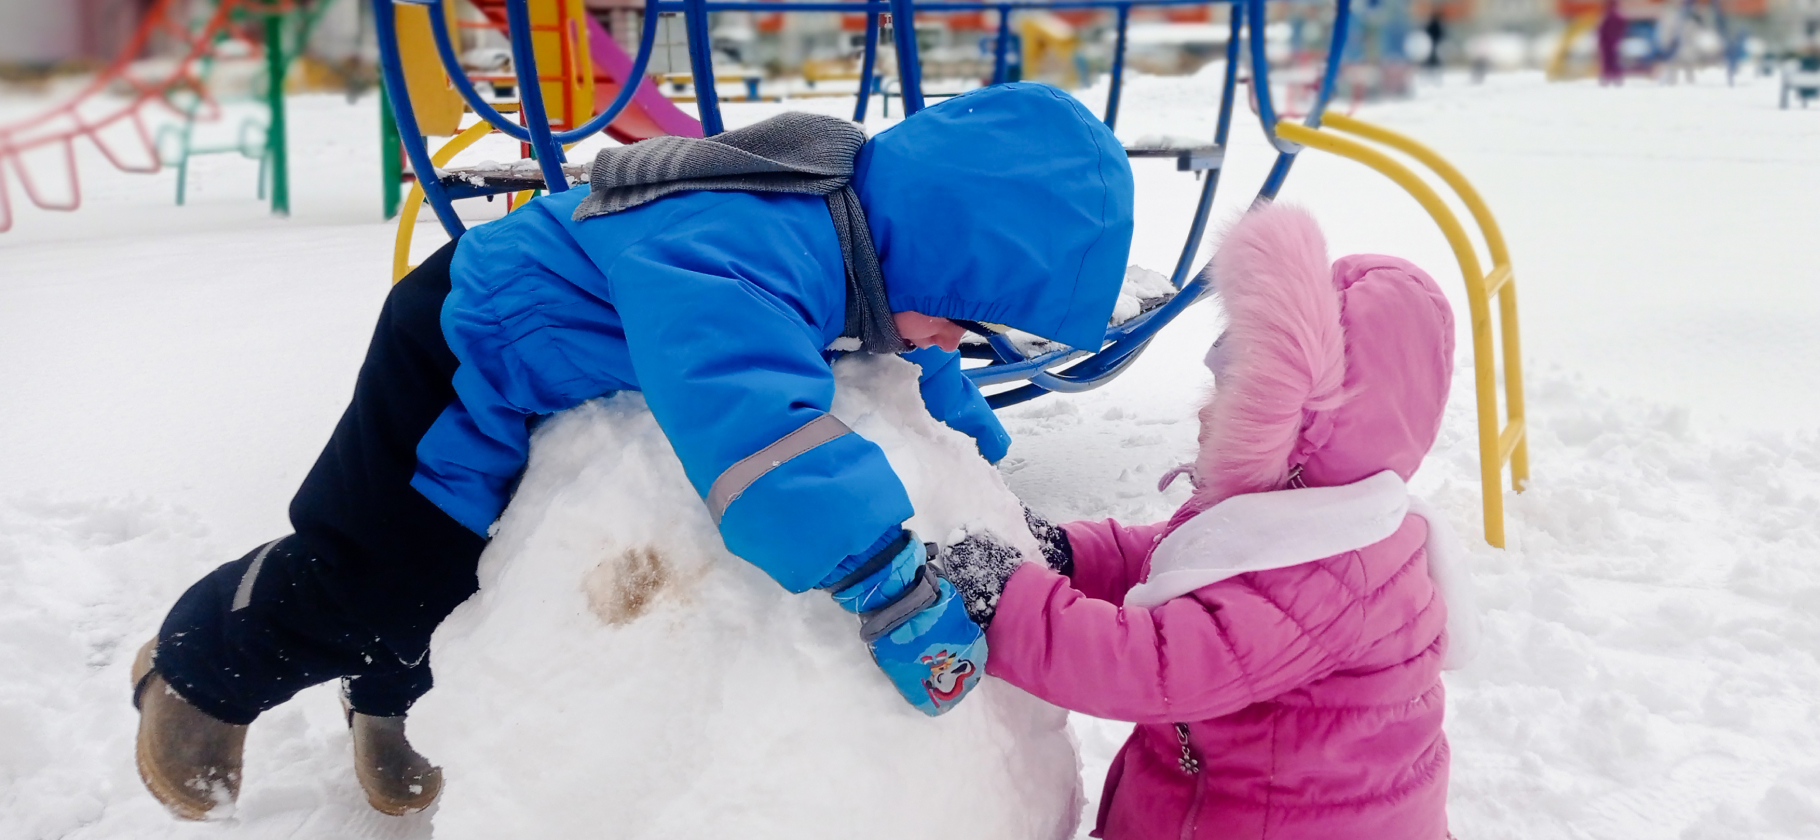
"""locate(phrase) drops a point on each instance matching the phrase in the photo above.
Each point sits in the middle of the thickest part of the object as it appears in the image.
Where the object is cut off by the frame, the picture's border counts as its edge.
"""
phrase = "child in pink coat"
(1279, 640)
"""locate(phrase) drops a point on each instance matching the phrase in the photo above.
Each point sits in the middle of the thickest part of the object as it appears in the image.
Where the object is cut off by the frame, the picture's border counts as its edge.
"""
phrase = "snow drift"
(619, 668)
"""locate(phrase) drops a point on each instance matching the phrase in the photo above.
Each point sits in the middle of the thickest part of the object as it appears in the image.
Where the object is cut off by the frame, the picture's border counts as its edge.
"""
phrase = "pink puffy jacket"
(1300, 702)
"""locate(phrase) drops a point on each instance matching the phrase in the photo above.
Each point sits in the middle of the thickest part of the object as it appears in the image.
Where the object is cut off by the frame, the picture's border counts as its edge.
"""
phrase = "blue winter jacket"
(1010, 205)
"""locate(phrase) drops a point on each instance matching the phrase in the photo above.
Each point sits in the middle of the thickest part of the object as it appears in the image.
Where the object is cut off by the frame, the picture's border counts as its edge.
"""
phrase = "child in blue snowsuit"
(1010, 206)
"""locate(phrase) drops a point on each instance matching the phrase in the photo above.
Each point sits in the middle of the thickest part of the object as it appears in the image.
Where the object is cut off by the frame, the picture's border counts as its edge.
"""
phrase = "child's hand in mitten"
(1058, 553)
(915, 626)
(979, 566)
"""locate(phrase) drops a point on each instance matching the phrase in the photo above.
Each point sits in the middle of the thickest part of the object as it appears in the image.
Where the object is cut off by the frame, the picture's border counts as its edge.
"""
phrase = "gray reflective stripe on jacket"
(742, 474)
(922, 594)
(243, 594)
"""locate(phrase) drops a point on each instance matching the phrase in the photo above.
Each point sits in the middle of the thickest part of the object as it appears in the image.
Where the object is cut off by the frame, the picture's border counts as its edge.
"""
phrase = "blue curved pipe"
(391, 69)
(1260, 77)
(1222, 131)
(909, 65)
(530, 97)
(1336, 48)
(451, 65)
(1123, 341)
(701, 67)
(1336, 55)
(1116, 83)
(1000, 43)
(867, 67)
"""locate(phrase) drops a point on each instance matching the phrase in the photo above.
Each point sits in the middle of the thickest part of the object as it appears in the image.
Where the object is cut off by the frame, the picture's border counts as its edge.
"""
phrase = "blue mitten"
(915, 625)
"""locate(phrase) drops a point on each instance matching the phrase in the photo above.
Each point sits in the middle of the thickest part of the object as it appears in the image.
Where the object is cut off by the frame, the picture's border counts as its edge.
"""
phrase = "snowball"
(620, 674)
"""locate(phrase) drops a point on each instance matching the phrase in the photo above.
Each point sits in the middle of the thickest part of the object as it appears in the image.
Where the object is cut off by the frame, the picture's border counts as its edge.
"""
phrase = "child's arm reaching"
(1108, 557)
(953, 399)
(1199, 656)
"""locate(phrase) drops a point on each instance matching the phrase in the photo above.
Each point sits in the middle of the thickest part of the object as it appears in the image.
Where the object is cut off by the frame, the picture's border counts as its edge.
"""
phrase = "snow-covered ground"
(1650, 663)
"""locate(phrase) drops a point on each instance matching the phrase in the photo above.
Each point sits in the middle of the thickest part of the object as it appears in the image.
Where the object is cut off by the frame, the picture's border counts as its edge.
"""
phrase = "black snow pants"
(372, 568)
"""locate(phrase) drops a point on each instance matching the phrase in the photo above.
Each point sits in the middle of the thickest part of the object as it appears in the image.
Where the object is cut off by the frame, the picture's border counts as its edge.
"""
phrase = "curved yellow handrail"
(1563, 52)
(407, 215)
(1497, 282)
(1498, 442)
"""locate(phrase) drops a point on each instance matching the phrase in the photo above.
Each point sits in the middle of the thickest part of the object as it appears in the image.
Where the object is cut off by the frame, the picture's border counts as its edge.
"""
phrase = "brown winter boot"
(396, 779)
(188, 760)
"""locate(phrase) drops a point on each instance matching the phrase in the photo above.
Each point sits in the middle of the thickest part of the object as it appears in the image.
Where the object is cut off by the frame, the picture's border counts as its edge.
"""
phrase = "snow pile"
(1651, 645)
(1142, 291)
(620, 668)
(1168, 141)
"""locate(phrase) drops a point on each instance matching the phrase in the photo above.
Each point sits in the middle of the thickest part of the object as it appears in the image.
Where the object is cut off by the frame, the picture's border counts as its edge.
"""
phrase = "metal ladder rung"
(513, 178)
(1497, 280)
(1191, 159)
(1507, 442)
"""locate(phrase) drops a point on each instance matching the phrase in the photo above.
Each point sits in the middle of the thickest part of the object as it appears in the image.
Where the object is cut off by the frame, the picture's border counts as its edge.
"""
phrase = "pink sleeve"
(1109, 557)
(1199, 656)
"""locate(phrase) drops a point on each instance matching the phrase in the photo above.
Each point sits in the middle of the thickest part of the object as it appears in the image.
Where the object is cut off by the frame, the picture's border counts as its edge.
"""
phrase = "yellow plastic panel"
(433, 99)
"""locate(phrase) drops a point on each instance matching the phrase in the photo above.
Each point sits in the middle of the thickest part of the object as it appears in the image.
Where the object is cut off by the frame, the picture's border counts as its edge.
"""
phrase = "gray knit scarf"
(789, 153)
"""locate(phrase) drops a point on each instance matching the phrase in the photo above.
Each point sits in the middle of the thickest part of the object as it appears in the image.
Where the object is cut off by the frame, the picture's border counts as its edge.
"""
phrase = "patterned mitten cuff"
(1058, 553)
(979, 567)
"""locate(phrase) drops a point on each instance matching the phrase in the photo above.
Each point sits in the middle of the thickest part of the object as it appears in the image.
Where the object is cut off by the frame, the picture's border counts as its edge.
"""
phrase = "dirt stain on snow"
(622, 589)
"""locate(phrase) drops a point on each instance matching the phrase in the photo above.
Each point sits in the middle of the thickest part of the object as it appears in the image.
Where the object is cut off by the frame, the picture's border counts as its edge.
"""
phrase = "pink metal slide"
(649, 114)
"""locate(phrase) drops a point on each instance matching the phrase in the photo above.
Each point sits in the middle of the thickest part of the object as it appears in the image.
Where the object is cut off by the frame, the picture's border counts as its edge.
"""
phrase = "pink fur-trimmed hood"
(1339, 370)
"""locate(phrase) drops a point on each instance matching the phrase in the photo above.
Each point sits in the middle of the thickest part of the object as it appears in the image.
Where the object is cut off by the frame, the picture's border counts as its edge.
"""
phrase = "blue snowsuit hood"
(1010, 205)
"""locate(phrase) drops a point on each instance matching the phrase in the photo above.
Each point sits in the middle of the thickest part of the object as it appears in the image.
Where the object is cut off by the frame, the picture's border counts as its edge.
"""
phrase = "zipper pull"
(1190, 764)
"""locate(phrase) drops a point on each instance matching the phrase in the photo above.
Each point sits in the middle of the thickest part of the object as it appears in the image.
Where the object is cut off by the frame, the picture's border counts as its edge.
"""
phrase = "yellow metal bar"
(1557, 62)
(434, 100)
(407, 216)
(1513, 384)
(581, 65)
(1484, 364)
(1507, 442)
(1495, 281)
(1488, 226)
(1504, 290)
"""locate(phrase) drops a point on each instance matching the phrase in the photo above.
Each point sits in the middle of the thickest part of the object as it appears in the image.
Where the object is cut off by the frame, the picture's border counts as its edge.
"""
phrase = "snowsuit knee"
(372, 568)
(1010, 205)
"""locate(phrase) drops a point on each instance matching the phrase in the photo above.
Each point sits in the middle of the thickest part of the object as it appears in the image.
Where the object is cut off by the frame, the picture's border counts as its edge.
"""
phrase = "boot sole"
(160, 788)
(398, 809)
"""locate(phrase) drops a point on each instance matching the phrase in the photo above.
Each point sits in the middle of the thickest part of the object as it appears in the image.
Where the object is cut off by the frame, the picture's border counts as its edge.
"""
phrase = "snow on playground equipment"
(58, 128)
(1027, 370)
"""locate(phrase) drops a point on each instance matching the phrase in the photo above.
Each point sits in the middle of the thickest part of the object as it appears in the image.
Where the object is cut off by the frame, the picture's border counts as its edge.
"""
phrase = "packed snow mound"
(619, 668)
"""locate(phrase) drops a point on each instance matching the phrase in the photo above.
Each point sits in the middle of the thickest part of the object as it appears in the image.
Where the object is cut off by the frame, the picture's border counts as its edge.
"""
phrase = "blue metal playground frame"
(1064, 369)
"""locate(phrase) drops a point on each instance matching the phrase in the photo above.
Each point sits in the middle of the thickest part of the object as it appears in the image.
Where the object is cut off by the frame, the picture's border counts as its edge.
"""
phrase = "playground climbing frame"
(1063, 368)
